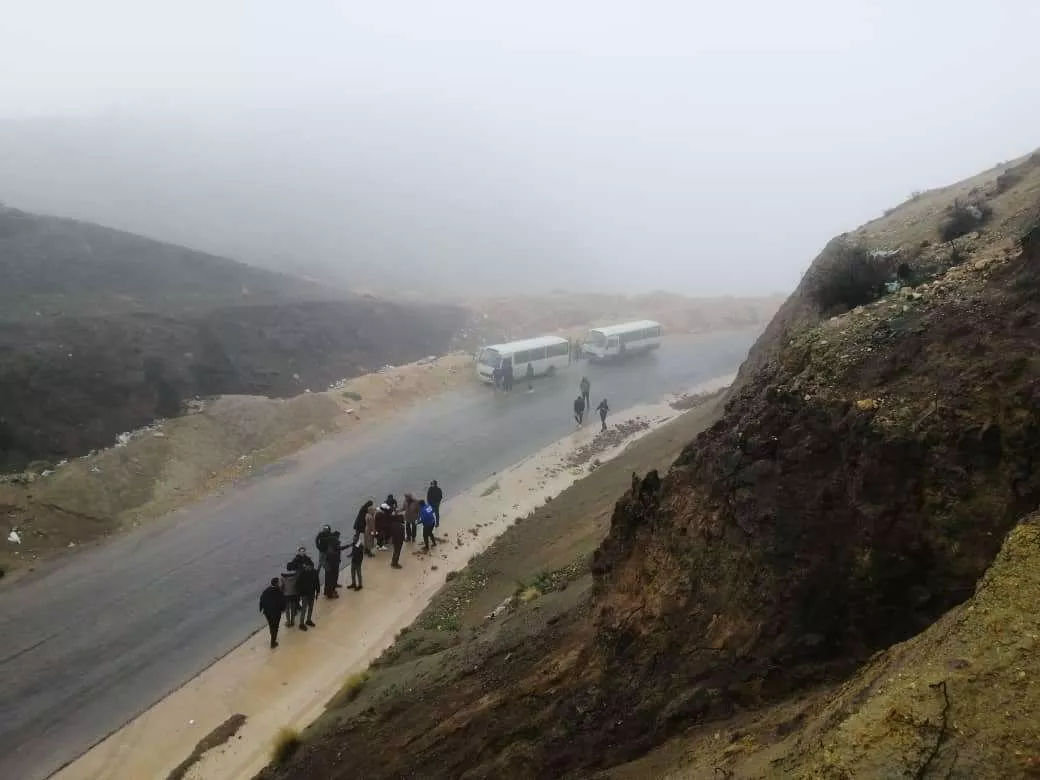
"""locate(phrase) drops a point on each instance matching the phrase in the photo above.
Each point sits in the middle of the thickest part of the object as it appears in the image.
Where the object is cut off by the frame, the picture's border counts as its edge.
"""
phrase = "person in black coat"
(360, 522)
(307, 588)
(434, 496)
(300, 560)
(272, 604)
(321, 541)
(332, 558)
(357, 558)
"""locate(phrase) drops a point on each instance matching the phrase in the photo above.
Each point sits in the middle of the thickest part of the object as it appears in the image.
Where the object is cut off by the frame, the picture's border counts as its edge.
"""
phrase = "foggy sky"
(703, 147)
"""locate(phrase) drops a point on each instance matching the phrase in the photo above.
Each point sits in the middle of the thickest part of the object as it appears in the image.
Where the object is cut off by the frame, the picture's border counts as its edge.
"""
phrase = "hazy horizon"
(607, 147)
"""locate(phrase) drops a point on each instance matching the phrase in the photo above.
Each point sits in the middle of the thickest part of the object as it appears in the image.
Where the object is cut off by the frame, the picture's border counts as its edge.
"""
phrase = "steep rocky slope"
(103, 331)
(883, 439)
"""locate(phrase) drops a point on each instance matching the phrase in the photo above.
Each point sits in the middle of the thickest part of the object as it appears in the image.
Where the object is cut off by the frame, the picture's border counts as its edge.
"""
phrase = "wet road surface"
(97, 638)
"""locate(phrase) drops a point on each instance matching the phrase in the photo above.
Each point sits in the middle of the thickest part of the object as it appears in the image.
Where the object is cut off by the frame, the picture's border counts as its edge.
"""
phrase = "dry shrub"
(852, 277)
(286, 743)
(350, 689)
(962, 217)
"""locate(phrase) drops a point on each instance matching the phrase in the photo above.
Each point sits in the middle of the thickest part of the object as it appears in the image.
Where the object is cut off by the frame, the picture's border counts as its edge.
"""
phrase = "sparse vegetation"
(962, 217)
(350, 395)
(286, 742)
(854, 277)
(351, 689)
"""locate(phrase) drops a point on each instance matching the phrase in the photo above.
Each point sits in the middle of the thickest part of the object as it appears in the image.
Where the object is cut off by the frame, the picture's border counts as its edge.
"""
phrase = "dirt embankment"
(883, 440)
(171, 463)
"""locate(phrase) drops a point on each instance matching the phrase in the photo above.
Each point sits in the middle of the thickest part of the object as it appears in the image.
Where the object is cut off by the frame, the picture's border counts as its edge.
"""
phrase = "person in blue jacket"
(428, 518)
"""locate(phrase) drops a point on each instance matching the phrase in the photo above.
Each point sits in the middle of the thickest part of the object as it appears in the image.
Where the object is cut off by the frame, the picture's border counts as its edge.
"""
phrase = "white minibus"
(541, 356)
(628, 338)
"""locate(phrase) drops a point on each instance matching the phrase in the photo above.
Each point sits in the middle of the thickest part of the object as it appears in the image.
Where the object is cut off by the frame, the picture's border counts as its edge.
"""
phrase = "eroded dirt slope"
(884, 438)
(102, 331)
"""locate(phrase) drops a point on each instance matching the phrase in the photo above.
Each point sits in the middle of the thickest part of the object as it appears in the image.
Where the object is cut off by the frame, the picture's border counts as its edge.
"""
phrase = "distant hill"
(53, 266)
(102, 331)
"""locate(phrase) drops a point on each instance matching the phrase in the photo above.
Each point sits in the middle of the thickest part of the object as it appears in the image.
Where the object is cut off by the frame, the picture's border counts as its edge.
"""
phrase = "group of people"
(387, 526)
(583, 403)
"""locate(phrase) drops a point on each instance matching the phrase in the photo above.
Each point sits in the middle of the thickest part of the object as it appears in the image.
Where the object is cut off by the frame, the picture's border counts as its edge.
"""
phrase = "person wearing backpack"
(411, 517)
(292, 600)
(428, 518)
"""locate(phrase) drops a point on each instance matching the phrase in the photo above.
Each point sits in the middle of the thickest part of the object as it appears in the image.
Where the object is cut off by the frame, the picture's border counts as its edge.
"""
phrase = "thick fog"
(708, 148)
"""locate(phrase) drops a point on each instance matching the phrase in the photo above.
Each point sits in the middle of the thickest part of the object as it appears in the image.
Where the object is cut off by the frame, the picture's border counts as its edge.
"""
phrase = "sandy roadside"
(290, 686)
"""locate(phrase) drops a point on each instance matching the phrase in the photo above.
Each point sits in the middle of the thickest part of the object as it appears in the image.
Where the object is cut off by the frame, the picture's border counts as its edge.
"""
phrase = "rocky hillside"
(883, 439)
(103, 331)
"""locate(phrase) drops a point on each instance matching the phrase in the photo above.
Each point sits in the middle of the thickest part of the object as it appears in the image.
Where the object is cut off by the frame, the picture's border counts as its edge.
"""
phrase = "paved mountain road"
(90, 641)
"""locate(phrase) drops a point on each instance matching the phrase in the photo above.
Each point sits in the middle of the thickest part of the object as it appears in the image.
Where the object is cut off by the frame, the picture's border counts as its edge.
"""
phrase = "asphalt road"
(99, 637)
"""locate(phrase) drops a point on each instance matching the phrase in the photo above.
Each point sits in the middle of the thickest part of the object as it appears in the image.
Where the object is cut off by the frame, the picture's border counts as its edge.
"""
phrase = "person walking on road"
(411, 517)
(307, 588)
(321, 542)
(332, 559)
(434, 496)
(428, 518)
(357, 558)
(585, 387)
(396, 538)
(579, 409)
(603, 409)
(272, 604)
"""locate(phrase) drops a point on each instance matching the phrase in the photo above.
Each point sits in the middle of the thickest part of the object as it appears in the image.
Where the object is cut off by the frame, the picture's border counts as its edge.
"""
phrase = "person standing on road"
(370, 531)
(308, 587)
(507, 376)
(579, 409)
(603, 409)
(292, 602)
(391, 502)
(383, 516)
(434, 496)
(301, 559)
(585, 387)
(332, 558)
(272, 604)
(361, 521)
(357, 558)
(411, 517)
(321, 542)
(396, 538)
(428, 518)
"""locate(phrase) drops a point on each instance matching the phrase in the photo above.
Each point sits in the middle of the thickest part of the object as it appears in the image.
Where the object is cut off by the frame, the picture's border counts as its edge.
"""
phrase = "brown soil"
(214, 739)
(856, 488)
